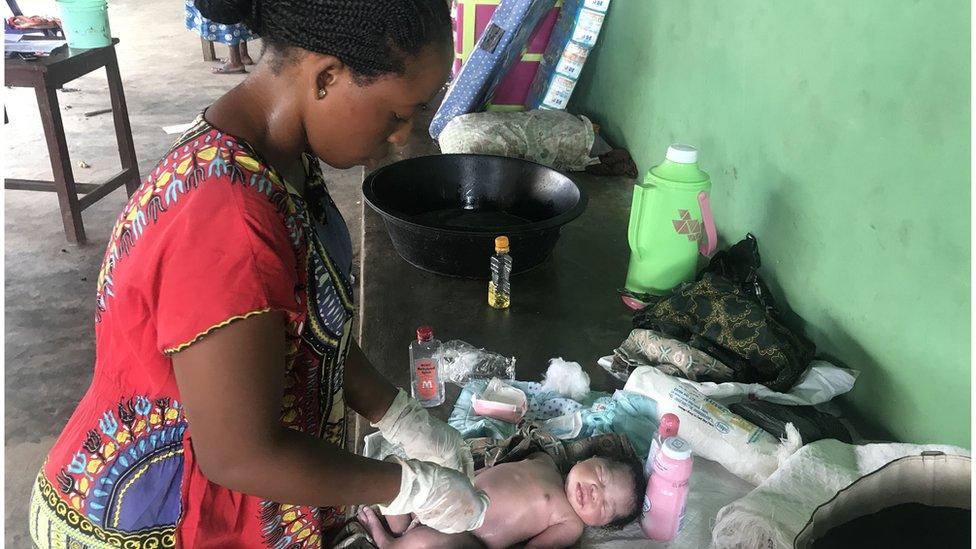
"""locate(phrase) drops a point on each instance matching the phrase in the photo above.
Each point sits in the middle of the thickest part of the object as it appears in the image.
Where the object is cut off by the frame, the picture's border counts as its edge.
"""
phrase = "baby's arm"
(563, 534)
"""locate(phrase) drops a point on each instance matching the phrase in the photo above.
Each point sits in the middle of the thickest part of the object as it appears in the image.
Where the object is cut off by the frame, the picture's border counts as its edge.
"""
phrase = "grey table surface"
(567, 307)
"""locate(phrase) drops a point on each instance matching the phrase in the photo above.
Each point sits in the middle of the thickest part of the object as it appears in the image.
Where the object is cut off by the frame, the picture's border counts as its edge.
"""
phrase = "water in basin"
(463, 218)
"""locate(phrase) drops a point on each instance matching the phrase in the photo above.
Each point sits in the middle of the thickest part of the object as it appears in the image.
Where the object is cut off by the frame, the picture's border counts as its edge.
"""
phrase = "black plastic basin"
(443, 212)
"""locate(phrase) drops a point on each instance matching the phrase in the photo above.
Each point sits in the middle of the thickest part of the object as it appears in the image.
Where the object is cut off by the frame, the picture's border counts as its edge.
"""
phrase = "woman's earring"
(321, 93)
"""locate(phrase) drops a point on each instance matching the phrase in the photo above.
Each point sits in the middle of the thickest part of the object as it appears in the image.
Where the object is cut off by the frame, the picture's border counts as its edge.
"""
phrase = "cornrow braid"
(372, 37)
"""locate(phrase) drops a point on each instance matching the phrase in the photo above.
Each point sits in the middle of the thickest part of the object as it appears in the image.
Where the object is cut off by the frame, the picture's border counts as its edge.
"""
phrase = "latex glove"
(423, 436)
(441, 498)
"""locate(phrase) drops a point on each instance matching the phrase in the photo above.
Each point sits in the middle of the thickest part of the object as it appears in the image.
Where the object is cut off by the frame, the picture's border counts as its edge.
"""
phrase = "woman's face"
(354, 124)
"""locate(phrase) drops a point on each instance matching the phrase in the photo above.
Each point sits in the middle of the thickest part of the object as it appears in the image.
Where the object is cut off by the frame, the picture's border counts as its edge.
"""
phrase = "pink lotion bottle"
(667, 491)
(667, 428)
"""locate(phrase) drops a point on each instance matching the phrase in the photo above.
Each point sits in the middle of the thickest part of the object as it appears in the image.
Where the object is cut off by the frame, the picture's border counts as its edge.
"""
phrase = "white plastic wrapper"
(818, 385)
(712, 429)
(566, 427)
(461, 362)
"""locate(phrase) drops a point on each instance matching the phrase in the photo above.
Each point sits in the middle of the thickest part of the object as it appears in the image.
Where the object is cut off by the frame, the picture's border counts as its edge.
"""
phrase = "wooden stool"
(46, 75)
(208, 50)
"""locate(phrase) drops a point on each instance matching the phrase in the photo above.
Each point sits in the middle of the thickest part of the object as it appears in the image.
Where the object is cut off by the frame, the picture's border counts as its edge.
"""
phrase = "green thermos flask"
(670, 224)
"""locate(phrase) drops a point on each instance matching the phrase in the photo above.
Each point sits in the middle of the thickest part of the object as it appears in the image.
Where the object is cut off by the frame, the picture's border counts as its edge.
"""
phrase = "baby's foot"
(368, 518)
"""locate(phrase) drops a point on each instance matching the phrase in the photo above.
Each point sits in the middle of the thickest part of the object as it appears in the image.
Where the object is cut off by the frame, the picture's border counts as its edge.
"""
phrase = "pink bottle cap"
(669, 426)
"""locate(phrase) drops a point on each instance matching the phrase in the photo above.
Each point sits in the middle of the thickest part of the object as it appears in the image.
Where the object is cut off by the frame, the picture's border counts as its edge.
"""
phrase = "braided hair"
(371, 37)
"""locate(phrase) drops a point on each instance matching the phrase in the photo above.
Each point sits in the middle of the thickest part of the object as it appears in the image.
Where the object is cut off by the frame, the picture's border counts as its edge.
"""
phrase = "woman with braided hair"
(215, 417)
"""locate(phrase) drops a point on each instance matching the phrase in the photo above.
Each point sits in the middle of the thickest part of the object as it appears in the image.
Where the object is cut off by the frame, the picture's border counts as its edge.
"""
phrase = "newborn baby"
(531, 503)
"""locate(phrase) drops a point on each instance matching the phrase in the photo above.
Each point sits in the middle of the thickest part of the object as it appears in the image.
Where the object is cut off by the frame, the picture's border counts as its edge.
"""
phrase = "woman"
(224, 357)
(235, 36)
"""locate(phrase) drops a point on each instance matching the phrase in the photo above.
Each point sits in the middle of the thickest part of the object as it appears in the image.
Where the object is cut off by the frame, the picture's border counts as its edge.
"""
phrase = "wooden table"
(46, 75)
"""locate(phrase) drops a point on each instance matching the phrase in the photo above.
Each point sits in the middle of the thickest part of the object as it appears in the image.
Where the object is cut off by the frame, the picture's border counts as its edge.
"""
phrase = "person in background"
(235, 36)
(225, 359)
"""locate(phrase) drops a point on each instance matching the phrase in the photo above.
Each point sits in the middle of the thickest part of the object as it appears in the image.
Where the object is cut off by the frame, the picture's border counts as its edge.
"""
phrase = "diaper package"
(713, 430)
(575, 35)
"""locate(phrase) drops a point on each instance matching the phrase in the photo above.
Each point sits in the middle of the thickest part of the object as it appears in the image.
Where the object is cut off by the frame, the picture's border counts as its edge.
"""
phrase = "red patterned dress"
(212, 236)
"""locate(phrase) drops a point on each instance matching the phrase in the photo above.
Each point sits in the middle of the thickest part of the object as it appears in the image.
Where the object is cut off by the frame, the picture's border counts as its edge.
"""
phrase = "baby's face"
(600, 491)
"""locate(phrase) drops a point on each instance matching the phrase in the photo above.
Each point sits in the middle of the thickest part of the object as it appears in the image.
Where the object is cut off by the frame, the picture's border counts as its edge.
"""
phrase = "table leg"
(57, 149)
(123, 130)
(208, 50)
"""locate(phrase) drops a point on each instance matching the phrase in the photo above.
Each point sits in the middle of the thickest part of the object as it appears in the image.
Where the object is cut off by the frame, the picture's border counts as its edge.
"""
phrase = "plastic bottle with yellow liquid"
(499, 287)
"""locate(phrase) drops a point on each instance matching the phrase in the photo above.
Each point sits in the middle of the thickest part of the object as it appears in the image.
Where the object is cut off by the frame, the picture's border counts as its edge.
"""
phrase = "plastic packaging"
(500, 287)
(812, 424)
(426, 382)
(572, 39)
(461, 362)
(667, 428)
(715, 432)
(501, 401)
(667, 491)
(819, 384)
(565, 427)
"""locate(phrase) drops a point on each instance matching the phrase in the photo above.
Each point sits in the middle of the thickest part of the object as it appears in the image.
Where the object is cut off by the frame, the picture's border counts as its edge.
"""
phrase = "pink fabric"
(540, 38)
(482, 16)
(514, 86)
(458, 26)
(458, 43)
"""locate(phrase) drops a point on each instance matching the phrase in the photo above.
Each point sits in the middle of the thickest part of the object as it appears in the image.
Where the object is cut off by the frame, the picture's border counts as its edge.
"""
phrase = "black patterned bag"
(730, 314)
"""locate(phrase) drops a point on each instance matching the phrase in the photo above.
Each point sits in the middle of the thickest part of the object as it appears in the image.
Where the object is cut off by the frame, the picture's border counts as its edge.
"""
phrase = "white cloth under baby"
(710, 488)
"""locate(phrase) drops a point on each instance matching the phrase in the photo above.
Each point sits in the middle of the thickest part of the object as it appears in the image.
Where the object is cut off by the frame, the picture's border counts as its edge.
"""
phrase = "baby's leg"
(420, 537)
(423, 537)
(398, 523)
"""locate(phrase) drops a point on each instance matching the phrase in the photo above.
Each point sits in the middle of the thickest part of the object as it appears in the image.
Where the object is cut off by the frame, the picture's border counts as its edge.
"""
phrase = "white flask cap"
(682, 154)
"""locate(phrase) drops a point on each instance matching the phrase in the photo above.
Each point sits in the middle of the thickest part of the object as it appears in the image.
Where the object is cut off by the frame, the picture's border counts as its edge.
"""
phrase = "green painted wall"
(838, 132)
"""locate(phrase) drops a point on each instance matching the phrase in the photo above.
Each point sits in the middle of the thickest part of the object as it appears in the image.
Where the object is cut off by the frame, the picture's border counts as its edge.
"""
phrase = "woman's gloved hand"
(441, 498)
(423, 436)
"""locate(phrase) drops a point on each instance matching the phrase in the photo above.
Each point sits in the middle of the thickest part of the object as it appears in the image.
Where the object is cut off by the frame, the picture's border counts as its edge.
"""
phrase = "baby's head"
(605, 492)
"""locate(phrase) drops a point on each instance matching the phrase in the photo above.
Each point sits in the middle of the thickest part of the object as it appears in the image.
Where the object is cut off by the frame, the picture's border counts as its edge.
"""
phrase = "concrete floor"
(50, 285)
